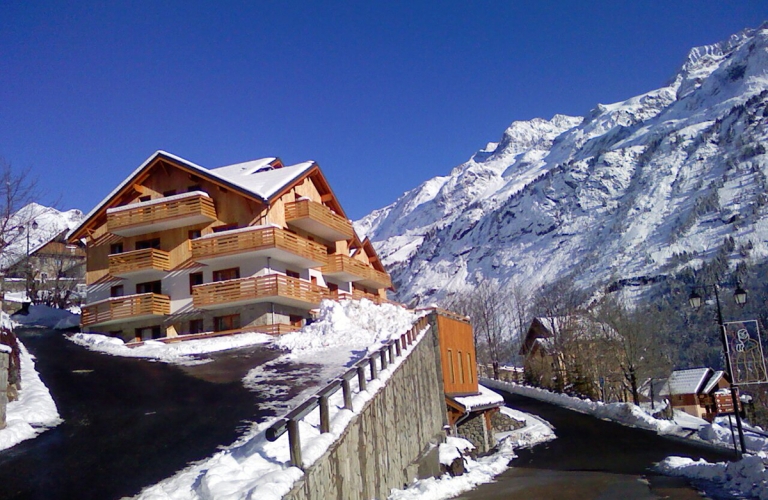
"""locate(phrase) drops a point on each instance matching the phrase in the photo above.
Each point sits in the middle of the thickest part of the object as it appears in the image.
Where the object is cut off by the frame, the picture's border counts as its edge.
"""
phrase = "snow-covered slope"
(634, 189)
(50, 223)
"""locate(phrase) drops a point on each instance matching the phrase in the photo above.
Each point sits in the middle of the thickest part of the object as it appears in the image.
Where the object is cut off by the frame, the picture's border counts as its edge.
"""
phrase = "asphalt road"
(591, 459)
(128, 423)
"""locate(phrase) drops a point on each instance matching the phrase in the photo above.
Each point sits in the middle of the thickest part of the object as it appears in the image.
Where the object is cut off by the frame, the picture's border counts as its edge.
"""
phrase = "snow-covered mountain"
(49, 223)
(634, 189)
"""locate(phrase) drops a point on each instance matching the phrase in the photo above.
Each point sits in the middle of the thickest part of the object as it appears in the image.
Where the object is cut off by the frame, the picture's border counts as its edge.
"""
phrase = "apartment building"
(179, 249)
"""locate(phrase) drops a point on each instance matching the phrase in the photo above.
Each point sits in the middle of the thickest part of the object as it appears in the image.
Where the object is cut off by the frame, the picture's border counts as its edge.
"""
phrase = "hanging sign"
(745, 351)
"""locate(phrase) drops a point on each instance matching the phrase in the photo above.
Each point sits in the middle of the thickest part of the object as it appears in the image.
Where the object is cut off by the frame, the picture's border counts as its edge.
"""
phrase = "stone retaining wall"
(393, 439)
(4, 363)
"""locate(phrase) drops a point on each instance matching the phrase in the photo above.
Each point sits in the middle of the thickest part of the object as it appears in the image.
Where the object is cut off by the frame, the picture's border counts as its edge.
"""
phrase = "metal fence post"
(325, 417)
(294, 442)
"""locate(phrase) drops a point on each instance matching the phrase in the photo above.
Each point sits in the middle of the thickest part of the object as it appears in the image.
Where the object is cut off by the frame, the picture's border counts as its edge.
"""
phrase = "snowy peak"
(638, 188)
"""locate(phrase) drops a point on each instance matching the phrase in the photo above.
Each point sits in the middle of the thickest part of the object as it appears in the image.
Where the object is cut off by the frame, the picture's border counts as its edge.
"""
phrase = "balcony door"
(149, 287)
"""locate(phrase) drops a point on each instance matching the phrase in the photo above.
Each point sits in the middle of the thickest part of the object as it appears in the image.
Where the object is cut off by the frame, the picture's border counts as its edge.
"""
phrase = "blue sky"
(383, 95)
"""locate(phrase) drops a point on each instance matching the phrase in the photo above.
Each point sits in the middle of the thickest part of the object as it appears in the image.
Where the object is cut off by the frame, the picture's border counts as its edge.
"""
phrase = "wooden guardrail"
(344, 264)
(159, 210)
(139, 260)
(124, 307)
(307, 209)
(257, 288)
(365, 370)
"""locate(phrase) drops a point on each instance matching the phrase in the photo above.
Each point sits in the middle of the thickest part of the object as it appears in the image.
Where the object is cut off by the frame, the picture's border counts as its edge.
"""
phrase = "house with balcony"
(179, 249)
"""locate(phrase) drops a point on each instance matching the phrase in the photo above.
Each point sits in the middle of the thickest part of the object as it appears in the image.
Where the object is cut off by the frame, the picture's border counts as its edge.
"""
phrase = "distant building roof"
(689, 381)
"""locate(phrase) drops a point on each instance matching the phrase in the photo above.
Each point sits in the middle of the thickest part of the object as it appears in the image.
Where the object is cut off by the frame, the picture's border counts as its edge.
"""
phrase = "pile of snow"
(47, 317)
(34, 411)
(746, 478)
(480, 471)
(181, 353)
(252, 467)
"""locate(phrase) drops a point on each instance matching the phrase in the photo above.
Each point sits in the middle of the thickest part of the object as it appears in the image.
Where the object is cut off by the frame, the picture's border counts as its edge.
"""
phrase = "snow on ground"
(182, 353)
(47, 317)
(252, 467)
(34, 411)
(482, 470)
(746, 478)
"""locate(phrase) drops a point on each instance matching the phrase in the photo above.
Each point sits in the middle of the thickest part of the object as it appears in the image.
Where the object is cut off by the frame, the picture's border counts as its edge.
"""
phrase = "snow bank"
(482, 470)
(747, 477)
(34, 411)
(182, 353)
(47, 317)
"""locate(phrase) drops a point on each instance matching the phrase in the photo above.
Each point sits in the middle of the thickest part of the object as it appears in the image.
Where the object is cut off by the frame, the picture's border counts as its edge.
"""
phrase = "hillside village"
(612, 263)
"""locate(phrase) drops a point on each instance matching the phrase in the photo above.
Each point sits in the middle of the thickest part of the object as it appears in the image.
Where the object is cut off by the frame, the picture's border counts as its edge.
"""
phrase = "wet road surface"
(591, 459)
(128, 423)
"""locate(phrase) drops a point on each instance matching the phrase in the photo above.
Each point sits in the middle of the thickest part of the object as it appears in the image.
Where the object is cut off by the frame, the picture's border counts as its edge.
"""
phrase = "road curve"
(591, 459)
(128, 423)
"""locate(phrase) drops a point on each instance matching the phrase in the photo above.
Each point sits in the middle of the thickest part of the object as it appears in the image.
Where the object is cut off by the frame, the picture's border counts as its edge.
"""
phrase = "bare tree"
(17, 189)
(640, 348)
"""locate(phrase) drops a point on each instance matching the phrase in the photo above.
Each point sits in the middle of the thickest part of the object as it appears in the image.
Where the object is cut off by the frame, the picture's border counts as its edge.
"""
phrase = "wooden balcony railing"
(351, 269)
(357, 295)
(271, 288)
(139, 261)
(318, 219)
(129, 307)
(161, 214)
(262, 239)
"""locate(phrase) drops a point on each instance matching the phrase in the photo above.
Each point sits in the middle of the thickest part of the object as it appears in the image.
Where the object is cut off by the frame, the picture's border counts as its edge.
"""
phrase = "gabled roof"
(258, 179)
(688, 381)
(713, 381)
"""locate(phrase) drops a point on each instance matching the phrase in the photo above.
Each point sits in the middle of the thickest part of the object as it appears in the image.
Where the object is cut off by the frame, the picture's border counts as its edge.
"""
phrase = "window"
(149, 287)
(144, 244)
(295, 320)
(292, 274)
(226, 274)
(226, 227)
(170, 192)
(148, 333)
(450, 366)
(469, 368)
(194, 187)
(333, 287)
(461, 368)
(195, 279)
(116, 248)
(228, 322)
(194, 233)
(145, 198)
(313, 279)
(117, 291)
(196, 326)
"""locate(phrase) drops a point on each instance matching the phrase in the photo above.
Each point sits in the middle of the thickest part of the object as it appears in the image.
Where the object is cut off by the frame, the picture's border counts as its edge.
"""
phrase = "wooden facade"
(250, 246)
(457, 354)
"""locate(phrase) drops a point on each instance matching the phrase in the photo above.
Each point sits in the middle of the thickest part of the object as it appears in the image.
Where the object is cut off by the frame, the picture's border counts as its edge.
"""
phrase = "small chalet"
(178, 249)
(573, 354)
(693, 391)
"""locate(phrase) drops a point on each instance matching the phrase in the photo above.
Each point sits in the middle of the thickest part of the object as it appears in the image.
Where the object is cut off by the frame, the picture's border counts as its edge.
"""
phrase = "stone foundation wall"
(392, 441)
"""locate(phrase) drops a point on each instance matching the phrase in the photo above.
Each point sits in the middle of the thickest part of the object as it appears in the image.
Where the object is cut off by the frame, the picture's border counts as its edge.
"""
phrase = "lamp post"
(740, 297)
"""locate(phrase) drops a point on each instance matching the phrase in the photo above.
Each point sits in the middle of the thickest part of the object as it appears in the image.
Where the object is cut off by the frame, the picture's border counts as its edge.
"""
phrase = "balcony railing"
(171, 212)
(349, 269)
(271, 288)
(317, 219)
(357, 295)
(267, 241)
(126, 308)
(147, 262)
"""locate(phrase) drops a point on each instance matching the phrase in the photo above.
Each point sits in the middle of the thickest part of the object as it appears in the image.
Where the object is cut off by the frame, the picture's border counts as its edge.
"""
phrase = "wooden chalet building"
(180, 249)
(694, 391)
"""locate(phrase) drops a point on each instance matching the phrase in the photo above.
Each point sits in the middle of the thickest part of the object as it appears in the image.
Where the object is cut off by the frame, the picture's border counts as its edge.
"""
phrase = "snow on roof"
(485, 399)
(263, 183)
(688, 381)
(240, 175)
(713, 381)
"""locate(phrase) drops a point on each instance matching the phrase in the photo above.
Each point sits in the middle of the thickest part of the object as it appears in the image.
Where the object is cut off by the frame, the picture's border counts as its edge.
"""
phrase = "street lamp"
(740, 297)
(27, 268)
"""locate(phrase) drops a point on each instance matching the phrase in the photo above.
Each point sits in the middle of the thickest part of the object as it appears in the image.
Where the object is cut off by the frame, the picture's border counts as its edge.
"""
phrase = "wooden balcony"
(315, 218)
(271, 242)
(125, 309)
(275, 288)
(346, 268)
(182, 210)
(149, 263)
(357, 295)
